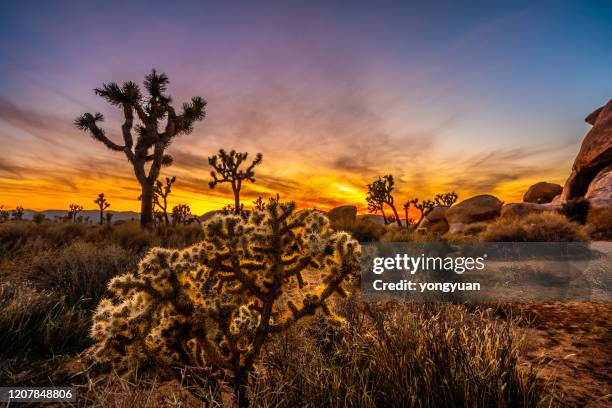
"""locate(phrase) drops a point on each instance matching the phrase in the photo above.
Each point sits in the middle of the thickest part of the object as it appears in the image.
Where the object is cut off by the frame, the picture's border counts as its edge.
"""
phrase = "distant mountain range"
(93, 215)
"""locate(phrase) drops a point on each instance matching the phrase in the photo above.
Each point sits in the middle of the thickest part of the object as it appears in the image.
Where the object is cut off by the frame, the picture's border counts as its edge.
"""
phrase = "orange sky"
(475, 99)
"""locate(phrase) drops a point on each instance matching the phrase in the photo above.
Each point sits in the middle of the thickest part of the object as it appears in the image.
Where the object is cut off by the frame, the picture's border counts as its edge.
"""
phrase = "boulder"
(209, 215)
(517, 210)
(595, 153)
(542, 192)
(475, 209)
(435, 220)
(600, 189)
(346, 214)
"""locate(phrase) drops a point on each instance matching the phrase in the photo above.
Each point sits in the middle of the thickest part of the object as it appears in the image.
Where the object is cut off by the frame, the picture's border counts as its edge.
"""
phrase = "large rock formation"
(600, 189)
(473, 210)
(346, 214)
(435, 220)
(519, 210)
(595, 154)
(542, 192)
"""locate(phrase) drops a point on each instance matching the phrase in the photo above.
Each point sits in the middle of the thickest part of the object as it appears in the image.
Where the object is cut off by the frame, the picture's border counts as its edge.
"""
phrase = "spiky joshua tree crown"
(214, 304)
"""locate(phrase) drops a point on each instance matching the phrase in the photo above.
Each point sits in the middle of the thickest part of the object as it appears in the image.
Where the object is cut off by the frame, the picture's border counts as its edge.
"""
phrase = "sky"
(475, 97)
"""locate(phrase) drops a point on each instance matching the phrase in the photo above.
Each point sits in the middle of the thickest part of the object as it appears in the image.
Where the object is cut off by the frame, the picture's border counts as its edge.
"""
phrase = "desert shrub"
(363, 230)
(543, 227)
(399, 356)
(213, 305)
(80, 271)
(13, 235)
(36, 324)
(576, 210)
(600, 222)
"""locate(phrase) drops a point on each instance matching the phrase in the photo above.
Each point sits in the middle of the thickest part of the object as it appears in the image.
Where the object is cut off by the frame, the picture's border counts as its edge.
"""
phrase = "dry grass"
(544, 227)
(599, 221)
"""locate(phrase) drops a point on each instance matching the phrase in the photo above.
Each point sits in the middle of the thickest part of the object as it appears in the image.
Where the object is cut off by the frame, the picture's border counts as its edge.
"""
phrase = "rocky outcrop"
(542, 192)
(475, 209)
(346, 214)
(595, 154)
(600, 189)
(518, 210)
(435, 220)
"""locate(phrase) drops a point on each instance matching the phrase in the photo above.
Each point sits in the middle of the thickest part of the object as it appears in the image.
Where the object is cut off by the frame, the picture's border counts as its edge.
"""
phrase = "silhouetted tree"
(103, 204)
(424, 207)
(73, 211)
(109, 217)
(409, 221)
(17, 214)
(227, 170)
(4, 214)
(180, 212)
(380, 193)
(152, 136)
(160, 196)
(38, 218)
(259, 204)
(446, 199)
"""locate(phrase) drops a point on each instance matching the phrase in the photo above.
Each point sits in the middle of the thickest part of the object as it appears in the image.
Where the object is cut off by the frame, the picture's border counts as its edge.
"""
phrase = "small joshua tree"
(424, 207)
(103, 204)
(109, 217)
(380, 193)
(160, 196)
(215, 304)
(259, 204)
(73, 212)
(17, 213)
(227, 170)
(180, 212)
(38, 218)
(153, 136)
(4, 214)
(446, 199)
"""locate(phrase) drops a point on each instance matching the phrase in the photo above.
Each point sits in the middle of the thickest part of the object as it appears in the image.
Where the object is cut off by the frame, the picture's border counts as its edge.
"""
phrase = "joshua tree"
(259, 204)
(446, 199)
(17, 214)
(424, 207)
(109, 217)
(103, 204)
(160, 196)
(152, 136)
(215, 304)
(4, 214)
(409, 221)
(180, 212)
(73, 211)
(380, 193)
(227, 170)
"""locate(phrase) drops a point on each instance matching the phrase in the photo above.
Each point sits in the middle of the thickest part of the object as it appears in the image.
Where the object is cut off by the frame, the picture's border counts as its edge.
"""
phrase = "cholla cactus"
(213, 305)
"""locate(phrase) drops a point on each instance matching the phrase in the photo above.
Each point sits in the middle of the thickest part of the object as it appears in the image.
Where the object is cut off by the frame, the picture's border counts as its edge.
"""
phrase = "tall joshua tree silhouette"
(103, 204)
(380, 192)
(152, 137)
(227, 170)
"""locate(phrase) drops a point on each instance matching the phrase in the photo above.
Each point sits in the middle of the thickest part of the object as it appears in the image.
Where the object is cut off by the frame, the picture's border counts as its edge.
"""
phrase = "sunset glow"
(332, 96)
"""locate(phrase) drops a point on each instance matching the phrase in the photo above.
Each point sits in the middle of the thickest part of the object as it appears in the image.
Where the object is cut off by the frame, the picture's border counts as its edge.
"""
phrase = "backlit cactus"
(214, 304)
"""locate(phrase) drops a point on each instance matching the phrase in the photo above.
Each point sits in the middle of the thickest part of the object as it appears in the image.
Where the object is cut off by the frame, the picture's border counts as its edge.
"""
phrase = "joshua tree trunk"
(101, 216)
(236, 188)
(146, 205)
(407, 222)
(382, 211)
(397, 218)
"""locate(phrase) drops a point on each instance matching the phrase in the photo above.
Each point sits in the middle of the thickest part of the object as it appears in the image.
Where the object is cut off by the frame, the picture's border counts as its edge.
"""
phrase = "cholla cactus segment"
(214, 304)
